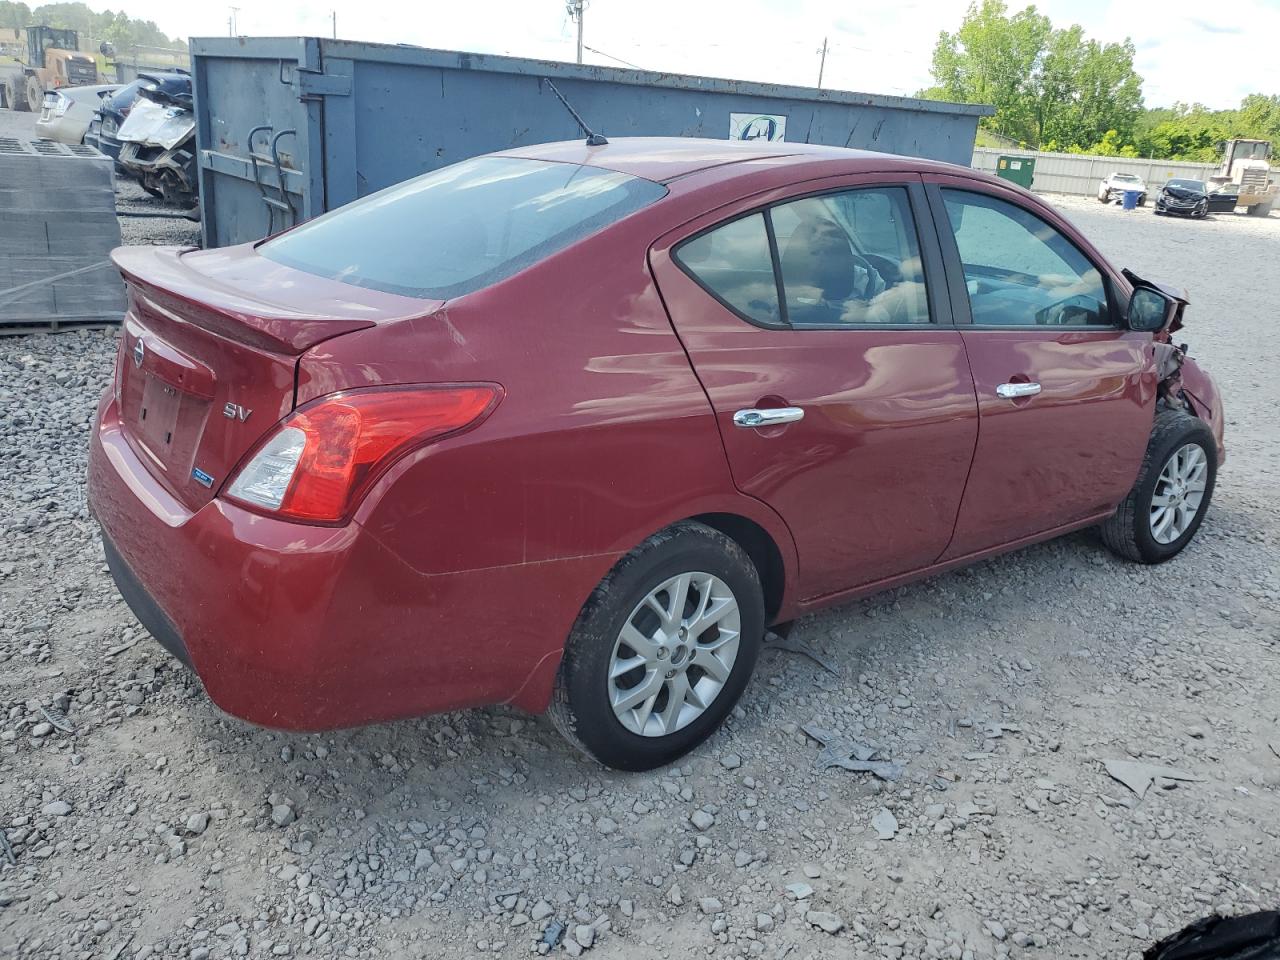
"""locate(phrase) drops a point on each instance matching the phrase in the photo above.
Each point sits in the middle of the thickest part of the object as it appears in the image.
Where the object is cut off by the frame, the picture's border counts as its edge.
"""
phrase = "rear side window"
(850, 257)
(839, 259)
(734, 263)
(461, 228)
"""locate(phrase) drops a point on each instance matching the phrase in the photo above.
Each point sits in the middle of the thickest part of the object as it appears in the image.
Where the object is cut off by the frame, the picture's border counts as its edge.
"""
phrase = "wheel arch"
(763, 551)
(768, 544)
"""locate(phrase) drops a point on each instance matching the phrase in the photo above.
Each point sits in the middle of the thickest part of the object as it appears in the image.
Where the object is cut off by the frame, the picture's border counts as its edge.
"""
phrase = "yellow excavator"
(52, 60)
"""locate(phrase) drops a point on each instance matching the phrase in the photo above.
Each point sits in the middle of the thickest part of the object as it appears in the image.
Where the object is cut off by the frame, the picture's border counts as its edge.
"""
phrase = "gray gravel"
(143, 823)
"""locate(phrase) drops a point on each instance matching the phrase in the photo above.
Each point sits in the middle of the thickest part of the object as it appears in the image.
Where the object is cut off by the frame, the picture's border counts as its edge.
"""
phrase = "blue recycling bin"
(1130, 199)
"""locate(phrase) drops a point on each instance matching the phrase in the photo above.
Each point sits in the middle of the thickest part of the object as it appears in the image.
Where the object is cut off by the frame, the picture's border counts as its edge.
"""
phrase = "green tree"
(119, 28)
(1046, 84)
(14, 16)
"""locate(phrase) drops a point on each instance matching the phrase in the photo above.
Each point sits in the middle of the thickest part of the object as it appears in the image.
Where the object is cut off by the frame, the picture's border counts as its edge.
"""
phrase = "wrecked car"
(1187, 198)
(570, 426)
(104, 128)
(1117, 185)
(158, 145)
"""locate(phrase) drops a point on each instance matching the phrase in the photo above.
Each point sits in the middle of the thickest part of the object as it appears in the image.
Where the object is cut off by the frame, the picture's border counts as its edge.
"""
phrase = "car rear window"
(461, 228)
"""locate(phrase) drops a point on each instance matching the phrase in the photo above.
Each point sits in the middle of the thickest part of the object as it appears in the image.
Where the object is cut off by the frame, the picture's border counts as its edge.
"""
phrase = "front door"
(819, 326)
(1065, 394)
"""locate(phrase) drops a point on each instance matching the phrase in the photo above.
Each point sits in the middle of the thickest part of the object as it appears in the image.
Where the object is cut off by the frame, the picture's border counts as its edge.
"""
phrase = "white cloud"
(1183, 50)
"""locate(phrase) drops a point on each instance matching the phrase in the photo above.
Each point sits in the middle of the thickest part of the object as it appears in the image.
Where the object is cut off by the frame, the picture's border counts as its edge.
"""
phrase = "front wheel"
(662, 649)
(1169, 499)
(35, 94)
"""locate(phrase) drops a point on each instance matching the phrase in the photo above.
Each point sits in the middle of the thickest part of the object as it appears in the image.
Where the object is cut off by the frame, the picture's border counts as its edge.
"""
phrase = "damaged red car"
(570, 426)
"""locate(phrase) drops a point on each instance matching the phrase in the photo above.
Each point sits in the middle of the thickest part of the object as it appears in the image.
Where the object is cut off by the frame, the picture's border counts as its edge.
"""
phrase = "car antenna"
(593, 139)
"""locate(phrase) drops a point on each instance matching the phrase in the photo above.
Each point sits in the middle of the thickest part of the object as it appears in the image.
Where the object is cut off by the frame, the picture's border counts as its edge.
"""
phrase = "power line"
(612, 57)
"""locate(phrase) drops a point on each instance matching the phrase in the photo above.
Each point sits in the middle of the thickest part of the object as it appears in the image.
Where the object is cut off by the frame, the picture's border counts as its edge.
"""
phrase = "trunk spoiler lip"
(166, 277)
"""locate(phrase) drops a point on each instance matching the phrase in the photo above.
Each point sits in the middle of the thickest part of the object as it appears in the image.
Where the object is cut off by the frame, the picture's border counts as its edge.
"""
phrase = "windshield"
(1124, 176)
(1187, 184)
(461, 228)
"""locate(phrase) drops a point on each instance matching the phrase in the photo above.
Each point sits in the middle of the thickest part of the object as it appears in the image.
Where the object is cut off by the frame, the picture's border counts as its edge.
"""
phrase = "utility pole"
(231, 20)
(822, 64)
(575, 8)
(334, 14)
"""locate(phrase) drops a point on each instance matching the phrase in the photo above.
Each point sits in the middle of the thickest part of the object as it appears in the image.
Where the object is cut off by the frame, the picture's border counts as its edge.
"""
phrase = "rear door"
(1065, 394)
(817, 322)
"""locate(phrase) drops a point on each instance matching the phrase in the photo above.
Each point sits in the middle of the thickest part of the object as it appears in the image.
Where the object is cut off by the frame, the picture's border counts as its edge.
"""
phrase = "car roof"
(663, 159)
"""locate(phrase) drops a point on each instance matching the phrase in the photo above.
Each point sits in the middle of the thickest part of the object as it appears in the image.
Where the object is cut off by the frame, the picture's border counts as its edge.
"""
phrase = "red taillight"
(319, 461)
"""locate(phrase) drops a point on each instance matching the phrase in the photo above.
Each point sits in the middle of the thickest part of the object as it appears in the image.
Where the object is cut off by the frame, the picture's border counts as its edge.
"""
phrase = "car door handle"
(1011, 391)
(769, 417)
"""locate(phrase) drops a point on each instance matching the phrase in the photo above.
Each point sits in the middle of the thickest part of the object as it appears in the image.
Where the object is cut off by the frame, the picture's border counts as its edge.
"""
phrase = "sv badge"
(233, 411)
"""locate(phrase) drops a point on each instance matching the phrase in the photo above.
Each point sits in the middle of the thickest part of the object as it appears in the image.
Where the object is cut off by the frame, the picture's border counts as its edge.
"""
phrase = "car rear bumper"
(311, 628)
(108, 146)
(64, 129)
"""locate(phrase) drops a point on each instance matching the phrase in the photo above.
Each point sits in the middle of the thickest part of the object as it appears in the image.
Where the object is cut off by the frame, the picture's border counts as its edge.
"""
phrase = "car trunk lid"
(209, 352)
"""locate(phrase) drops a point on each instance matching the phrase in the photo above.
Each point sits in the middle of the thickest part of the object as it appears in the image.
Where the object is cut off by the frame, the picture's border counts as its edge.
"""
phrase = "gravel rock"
(828, 922)
(282, 814)
(702, 820)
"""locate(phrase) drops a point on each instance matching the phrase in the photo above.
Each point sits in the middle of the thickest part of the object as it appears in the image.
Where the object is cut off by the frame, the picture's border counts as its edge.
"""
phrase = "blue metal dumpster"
(288, 128)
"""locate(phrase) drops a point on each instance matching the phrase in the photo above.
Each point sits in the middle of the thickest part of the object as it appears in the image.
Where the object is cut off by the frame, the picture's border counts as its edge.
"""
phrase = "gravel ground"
(144, 823)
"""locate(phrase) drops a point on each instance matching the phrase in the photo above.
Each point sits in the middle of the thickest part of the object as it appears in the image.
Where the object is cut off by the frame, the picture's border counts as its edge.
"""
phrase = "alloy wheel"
(674, 654)
(1179, 493)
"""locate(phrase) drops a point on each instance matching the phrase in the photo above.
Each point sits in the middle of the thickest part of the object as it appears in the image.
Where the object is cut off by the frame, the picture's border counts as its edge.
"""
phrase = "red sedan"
(568, 427)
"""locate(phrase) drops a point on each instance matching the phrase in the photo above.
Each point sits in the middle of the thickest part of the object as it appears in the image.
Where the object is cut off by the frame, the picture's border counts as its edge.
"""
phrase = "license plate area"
(157, 420)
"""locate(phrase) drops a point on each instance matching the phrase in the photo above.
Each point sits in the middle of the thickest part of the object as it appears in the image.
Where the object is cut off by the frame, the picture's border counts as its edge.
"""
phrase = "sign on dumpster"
(757, 126)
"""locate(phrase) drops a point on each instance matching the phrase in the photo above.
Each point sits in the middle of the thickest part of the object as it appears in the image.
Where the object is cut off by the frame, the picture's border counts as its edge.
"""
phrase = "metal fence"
(1074, 173)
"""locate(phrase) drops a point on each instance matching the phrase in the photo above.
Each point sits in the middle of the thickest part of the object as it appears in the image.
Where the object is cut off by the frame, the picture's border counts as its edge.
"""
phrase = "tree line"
(1056, 89)
(118, 28)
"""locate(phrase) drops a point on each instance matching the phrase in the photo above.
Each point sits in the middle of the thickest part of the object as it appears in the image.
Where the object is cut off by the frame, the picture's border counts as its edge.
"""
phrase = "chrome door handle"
(767, 418)
(1011, 391)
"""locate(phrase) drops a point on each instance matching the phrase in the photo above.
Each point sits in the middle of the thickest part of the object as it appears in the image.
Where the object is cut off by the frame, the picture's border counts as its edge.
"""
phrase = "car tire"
(35, 94)
(651, 731)
(1142, 200)
(9, 90)
(1181, 456)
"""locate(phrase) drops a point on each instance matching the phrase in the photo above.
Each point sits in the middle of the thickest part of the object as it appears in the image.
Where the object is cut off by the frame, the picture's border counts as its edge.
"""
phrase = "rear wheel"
(1168, 501)
(662, 649)
(10, 91)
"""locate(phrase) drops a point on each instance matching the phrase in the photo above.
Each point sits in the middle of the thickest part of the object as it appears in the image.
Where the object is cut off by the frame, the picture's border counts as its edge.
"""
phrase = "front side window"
(1019, 270)
(461, 228)
(836, 259)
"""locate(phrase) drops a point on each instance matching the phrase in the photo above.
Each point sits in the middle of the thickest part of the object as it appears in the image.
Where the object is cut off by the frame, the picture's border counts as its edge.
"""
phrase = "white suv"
(1115, 186)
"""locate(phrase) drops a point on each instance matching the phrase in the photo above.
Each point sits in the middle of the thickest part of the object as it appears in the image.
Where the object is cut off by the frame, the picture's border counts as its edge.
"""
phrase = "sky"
(1184, 51)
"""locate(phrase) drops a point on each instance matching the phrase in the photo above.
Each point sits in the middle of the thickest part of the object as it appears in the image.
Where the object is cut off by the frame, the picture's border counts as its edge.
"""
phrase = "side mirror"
(1149, 310)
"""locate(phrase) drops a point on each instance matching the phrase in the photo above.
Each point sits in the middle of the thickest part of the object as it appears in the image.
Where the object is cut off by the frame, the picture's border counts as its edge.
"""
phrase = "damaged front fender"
(1182, 383)
(1202, 394)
